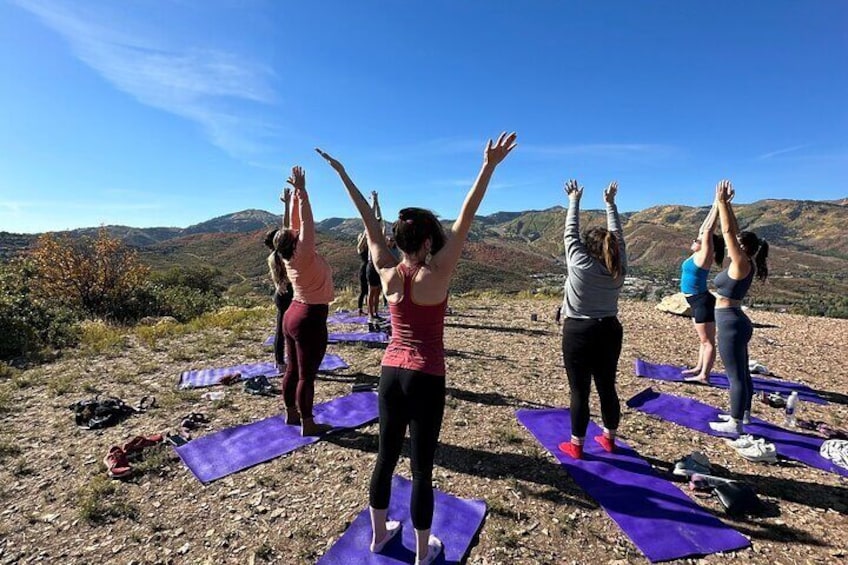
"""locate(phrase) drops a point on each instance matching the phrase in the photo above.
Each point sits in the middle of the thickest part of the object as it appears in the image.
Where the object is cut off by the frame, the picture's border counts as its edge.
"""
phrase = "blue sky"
(171, 112)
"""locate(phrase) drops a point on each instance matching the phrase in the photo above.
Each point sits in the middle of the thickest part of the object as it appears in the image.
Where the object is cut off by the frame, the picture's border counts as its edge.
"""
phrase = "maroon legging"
(305, 329)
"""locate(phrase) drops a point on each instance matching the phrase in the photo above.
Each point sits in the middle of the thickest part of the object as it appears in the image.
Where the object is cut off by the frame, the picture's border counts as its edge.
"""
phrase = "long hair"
(285, 242)
(602, 244)
(414, 226)
(758, 249)
(269, 238)
(718, 249)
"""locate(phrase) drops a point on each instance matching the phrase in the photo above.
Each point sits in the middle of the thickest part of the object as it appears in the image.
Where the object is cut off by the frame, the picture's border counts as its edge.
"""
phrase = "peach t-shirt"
(310, 276)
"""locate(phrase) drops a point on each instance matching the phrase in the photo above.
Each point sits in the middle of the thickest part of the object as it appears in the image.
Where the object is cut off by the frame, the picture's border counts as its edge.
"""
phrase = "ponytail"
(719, 249)
(612, 258)
(760, 260)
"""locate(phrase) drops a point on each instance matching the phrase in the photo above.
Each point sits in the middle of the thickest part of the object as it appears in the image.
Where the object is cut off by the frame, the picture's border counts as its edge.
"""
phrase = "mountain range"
(515, 251)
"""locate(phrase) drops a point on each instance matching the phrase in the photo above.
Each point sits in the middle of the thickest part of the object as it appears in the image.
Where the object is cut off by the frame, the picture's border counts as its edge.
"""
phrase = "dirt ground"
(59, 507)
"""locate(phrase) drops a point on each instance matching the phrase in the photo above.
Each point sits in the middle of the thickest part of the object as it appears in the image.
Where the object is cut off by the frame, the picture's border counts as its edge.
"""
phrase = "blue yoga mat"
(220, 454)
(456, 521)
(697, 416)
(364, 337)
(210, 377)
(658, 518)
(719, 380)
(348, 317)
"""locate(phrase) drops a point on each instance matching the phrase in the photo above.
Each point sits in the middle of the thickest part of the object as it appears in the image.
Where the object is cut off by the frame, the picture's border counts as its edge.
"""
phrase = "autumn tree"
(101, 276)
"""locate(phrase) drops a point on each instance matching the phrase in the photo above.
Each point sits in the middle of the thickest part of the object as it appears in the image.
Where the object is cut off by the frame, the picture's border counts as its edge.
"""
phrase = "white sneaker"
(759, 451)
(434, 548)
(746, 417)
(742, 441)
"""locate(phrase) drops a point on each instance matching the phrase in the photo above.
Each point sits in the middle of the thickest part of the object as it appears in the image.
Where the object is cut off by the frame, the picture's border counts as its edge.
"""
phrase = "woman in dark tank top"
(748, 256)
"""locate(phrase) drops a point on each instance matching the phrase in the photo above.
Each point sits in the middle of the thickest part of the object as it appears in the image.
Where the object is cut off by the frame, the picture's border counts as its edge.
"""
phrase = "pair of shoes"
(774, 400)
(746, 417)
(193, 421)
(742, 442)
(434, 549)
(759, 451)
(260, 385)
(695, 462)
(138, 443)
(117, 465)
(392, 529)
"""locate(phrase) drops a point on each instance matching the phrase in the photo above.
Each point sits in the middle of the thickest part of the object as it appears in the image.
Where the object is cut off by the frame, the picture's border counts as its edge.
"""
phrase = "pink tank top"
(418, 331)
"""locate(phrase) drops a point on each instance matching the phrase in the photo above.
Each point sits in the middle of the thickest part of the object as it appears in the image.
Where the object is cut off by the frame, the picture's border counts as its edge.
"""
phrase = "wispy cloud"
(783, 151)
(210, 87)
(606, 150)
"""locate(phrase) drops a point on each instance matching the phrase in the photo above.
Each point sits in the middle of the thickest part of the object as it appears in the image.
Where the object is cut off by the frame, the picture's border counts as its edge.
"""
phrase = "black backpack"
(97, 413)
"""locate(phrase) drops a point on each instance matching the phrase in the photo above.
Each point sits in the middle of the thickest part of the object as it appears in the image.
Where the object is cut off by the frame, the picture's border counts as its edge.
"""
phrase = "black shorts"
(373, 274)
(703, 307)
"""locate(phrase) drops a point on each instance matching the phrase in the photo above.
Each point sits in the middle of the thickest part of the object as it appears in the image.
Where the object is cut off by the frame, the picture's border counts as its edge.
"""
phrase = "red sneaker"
(140, 442)
(606, 442)
(571, 449)
(116, 463)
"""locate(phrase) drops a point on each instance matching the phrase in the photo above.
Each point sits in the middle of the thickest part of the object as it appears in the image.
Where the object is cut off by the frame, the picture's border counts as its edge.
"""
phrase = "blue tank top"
(732, 288)
(693, 279)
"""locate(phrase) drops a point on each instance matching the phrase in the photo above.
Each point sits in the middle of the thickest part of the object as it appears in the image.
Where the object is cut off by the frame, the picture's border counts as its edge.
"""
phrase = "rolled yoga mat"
(658, 518)
(697, 416)
(220, 454)
(210, 377)
(456, 521)
(671, 373)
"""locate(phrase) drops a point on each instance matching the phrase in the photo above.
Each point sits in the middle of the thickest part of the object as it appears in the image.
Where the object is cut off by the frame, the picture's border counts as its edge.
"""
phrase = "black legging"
(416, 399)
(282, 302)
(591, 348)
(363, 284)
(734, 333)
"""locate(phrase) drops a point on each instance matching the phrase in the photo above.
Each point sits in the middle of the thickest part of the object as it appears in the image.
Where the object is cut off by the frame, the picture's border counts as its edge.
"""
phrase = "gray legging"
(734, 333)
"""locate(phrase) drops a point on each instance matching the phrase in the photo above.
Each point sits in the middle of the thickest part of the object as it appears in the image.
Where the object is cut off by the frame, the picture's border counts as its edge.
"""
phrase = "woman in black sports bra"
(748, 255)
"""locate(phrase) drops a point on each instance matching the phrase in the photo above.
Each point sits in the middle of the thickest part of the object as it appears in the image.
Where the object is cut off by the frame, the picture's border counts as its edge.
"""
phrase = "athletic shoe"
(731, 426)
(741, 442)
(392, 529)
(434, 549)
(606, 442)
(695, 462)
(140, 442)
(759, 451)
(571, 449)
(746, 417)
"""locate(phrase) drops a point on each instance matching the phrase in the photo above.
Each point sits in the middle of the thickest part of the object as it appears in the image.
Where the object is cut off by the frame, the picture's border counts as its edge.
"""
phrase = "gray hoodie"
(590, 289)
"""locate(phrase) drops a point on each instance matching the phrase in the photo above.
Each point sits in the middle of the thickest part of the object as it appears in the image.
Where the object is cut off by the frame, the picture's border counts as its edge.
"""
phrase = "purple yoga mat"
(661, 521)
(210, 377)
(456, 521)
(347, 317)
(223, 453)
(365, 337)
(671, 373)
(697, 416)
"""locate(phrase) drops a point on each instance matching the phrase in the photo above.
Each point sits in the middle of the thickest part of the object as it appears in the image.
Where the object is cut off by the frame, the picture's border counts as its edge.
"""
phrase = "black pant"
(734, 333)
(363, 284)
(416, 399)
(282, 302)
(591, 348)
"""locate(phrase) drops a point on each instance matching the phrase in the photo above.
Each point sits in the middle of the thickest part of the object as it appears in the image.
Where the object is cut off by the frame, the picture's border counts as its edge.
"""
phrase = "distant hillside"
(514, 251)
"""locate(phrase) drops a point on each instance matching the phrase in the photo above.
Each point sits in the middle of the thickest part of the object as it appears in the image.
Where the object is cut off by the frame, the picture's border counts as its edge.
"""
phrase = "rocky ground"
(59, 507)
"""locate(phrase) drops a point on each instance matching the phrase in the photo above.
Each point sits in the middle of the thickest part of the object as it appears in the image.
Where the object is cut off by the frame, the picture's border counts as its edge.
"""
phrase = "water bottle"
(792, 406)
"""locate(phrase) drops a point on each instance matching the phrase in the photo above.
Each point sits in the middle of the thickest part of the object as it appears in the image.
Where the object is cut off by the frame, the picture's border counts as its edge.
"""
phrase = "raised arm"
(286, 198)
(447, 257)
(380, 254)
(704, 255)
(739, 266)
(614, 222)
(575, 251)
(303, 210)
(375, 205)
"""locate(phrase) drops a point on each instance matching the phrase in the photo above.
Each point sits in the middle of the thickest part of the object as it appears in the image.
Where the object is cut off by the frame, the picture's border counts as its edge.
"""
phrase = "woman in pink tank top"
(412, 377)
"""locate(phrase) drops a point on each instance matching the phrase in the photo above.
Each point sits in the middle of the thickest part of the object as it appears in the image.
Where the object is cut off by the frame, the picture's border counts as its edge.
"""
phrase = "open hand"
(298, 180)
(496, 153)
(724, 191)
(286, 195)
(573, 190)
(610, 192)
(333, 162)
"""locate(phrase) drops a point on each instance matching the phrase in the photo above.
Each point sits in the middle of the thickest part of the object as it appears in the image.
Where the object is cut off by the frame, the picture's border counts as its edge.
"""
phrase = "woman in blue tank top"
(748, 255)
(693, 284)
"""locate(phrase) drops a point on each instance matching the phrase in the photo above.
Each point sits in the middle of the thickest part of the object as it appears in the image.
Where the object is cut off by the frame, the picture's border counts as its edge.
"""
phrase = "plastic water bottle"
(792, 406)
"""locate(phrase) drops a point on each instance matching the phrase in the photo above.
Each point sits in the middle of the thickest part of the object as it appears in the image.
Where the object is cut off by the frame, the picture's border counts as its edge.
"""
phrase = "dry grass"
(60, 507)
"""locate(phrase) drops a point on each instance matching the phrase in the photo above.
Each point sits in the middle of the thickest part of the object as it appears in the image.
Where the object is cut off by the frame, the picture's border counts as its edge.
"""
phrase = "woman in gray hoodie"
(592, 334)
